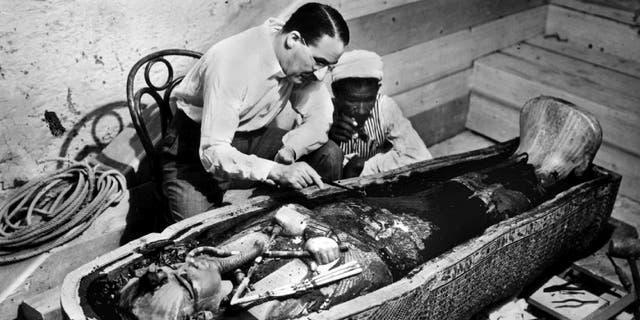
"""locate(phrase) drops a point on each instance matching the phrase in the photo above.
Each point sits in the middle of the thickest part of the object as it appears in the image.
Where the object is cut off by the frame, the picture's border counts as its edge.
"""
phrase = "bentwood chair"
(161, 95)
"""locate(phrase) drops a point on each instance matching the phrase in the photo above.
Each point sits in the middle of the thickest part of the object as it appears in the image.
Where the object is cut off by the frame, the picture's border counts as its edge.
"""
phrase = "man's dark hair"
(345, 86)
(313, 20)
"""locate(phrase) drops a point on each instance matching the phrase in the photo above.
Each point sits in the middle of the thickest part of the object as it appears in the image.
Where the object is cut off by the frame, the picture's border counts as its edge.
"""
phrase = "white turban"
(358, 64)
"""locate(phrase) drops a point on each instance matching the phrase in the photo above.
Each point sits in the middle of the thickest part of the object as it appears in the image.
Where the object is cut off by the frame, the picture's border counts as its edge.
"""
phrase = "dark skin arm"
(353, 168)
(342, 129)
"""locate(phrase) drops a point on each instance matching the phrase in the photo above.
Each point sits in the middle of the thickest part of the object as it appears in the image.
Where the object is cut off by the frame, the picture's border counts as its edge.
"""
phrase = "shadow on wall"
(146, 210)
(97, 118)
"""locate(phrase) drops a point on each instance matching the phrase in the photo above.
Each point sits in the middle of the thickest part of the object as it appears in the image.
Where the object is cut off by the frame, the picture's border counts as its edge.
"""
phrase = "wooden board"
(557, 303)
(610, 36)
(598, 266)
(506, 126)
(433, 94)
(586, 54)
(492, 118)
(625, 164)
(462, 142)
(404, 26)
(593, 76)
(627, 210)
(42, 306)
(441, 122)
(620, 10)
(437, 110)
(351, 9)
(432, 60)
(516, 80)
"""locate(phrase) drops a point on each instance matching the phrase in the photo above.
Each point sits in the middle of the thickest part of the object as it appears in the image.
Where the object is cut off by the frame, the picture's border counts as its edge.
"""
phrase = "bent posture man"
(228, 98)
(369, 126)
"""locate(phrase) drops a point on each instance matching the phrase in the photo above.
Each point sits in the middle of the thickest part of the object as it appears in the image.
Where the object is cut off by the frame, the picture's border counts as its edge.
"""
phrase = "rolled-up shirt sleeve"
(313, 104)
(222, 100)
(407, 146)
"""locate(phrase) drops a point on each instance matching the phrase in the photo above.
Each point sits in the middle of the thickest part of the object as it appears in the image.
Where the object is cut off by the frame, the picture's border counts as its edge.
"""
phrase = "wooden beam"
(433, 94)
(42, 306)
(351, 9)
(516, 80)
(623, 11)
(442, 122)
(609, 36)
(463, 142)
(437, 110)
(492, 118)
(405, 26)
(506, 125)
(615, 84)
(627, 210)
(432, 60)
(586, 54)
(628, 165)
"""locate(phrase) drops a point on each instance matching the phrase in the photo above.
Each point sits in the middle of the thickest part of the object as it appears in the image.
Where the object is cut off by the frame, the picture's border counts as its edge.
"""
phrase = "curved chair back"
(160, 94)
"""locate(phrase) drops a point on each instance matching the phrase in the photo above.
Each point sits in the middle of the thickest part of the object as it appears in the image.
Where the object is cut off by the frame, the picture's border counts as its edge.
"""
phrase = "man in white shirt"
(228, 98)
(370, 128)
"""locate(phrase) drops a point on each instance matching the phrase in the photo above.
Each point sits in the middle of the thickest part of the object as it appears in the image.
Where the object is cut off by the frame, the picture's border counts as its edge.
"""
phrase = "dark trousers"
(191, 190)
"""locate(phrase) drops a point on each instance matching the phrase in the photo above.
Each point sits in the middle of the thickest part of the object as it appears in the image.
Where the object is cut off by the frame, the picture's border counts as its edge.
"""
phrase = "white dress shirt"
(239, 86)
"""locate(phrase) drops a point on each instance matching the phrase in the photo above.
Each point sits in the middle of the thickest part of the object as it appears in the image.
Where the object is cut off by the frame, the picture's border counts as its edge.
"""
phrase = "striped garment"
(375, 130)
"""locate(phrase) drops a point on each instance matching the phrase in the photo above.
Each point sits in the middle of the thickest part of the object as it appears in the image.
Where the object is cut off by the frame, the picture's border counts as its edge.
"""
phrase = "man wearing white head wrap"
(369, 127)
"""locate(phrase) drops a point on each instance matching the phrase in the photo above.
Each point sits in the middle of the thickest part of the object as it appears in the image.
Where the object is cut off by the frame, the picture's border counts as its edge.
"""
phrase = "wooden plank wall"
(590, 56)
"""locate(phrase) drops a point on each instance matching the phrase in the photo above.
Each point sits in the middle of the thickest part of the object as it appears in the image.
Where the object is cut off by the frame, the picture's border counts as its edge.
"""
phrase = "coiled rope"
(50, 211)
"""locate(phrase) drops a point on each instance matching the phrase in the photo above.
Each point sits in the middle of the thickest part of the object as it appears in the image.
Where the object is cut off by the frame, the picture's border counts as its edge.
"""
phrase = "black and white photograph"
(339, 159)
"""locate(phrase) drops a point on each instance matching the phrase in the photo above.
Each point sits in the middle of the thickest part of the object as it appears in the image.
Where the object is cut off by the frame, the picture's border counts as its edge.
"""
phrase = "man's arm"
(222, 100)
(407, 146)
(220, 119)
(313, 103)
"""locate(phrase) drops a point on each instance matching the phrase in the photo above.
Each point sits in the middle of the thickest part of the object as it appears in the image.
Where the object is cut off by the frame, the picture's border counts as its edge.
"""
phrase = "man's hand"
(286, 155)
(323, 249)
(343, 128)
(297, 175)
(353, 168)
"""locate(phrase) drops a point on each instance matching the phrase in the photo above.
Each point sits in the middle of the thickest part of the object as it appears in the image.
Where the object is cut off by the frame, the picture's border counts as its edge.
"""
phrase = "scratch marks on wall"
(98, 59)
(72, 106)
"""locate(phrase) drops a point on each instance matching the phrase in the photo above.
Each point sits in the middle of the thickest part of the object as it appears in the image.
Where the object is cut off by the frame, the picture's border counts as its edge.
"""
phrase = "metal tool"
(344, 271)
(335, 184)
(294, 253)
(242, 287)
(355, 190)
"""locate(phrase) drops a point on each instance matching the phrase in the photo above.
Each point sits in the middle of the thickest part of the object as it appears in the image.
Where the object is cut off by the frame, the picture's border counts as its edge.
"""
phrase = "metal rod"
(335, 184)
(294, 253)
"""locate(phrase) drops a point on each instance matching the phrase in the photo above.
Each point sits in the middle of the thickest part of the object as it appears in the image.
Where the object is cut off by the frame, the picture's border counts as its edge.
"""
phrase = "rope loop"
(52, 210)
